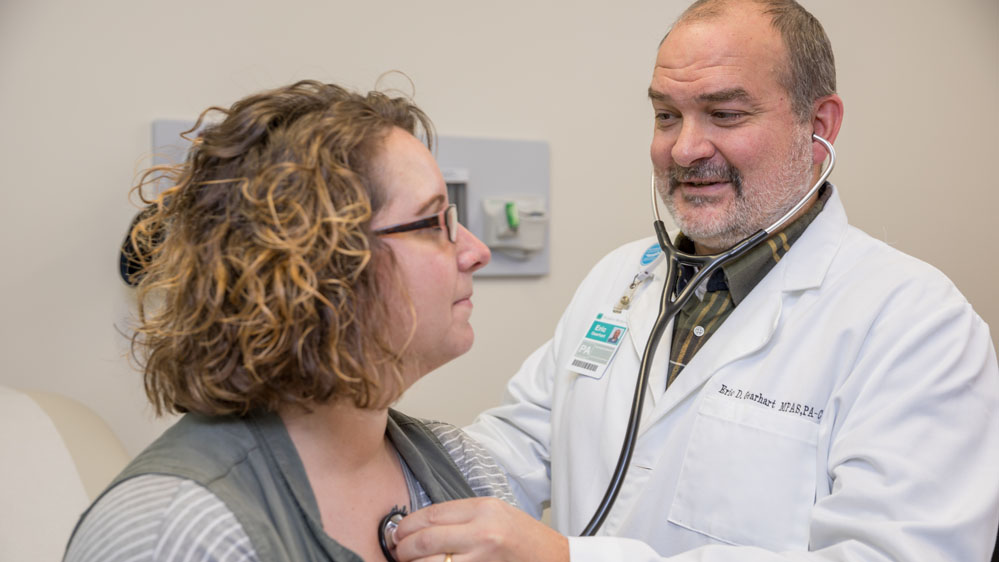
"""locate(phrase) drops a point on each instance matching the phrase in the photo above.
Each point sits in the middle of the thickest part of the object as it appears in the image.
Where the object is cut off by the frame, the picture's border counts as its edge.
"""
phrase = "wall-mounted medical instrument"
(516, 227)
(501, 188)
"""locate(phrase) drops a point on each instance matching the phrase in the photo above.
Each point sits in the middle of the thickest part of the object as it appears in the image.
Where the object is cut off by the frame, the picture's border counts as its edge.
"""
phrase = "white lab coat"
(848, 409)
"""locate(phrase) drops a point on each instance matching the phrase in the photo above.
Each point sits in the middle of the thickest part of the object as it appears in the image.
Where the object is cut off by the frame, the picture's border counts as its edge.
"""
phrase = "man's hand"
(474, 530)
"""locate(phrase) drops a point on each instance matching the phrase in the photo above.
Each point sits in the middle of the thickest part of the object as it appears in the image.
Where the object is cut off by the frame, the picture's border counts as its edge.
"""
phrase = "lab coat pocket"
(748, 475)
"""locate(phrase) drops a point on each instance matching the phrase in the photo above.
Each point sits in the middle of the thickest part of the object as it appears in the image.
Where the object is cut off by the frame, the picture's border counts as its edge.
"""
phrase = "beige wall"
(80, 83)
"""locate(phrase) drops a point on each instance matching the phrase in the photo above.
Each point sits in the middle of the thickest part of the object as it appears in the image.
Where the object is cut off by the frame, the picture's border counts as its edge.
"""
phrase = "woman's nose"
(473, 254)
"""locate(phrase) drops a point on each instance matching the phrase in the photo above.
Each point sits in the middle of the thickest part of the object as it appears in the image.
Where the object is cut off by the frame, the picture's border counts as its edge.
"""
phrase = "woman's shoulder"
(198, 447)
(484, 474)
(159, 517)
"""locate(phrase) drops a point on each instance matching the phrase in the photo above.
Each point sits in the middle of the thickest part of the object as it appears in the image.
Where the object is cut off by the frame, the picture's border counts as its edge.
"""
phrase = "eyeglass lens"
(451, 222)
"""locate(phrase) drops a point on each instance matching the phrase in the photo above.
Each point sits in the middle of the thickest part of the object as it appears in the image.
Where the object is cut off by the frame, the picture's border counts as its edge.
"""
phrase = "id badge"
(599, 345)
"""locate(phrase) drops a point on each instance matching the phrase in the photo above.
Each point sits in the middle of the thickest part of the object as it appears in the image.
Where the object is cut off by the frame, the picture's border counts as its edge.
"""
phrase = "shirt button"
(698, 331)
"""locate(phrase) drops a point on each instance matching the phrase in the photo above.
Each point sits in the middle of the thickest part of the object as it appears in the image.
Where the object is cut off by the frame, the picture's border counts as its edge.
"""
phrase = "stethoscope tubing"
(668, 309)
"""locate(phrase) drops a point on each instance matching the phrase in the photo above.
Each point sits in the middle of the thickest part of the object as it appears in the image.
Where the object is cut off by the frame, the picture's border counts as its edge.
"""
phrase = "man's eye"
(665, 117)
(726, 115)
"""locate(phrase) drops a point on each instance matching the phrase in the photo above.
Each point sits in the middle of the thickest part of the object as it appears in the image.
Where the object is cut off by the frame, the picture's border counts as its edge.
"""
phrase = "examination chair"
(56, 455)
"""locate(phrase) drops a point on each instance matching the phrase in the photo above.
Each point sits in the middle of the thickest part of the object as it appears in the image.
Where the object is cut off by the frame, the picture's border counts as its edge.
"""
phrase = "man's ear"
(826, 120)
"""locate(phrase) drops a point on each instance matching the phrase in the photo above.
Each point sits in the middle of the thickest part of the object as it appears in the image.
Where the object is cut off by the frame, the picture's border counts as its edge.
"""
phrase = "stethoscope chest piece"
(386, 531)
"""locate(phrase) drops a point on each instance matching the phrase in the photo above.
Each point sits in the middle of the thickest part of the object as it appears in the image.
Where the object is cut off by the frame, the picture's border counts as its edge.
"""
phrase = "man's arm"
(518, 432)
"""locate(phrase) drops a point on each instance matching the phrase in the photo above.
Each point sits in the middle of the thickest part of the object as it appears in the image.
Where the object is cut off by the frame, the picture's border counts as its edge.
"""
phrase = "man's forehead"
(739, 28)
(731, 50)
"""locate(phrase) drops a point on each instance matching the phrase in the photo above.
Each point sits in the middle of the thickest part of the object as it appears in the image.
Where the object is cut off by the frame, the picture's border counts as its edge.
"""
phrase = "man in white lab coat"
(825, 397)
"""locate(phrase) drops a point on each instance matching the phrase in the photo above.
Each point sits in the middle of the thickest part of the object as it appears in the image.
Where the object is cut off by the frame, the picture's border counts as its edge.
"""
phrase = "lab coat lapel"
(750, 326)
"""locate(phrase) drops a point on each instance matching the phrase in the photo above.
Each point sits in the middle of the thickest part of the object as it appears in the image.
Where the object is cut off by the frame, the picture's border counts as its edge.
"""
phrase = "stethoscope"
(705, 266)
(386, 531)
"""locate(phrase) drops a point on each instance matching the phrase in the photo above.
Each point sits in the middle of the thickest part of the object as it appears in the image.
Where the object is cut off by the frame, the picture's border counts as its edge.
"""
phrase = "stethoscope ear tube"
(668, 309)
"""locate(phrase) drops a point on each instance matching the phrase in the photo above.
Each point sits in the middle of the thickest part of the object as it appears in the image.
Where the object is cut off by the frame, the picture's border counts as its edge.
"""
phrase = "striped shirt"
(154, 517)
(718, 296)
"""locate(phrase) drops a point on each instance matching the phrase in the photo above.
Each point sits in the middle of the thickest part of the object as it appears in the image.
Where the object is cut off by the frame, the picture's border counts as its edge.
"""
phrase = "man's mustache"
(707, 172)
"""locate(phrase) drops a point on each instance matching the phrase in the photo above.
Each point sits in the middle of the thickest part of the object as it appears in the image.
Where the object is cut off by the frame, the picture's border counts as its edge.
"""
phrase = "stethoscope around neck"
(705, 266)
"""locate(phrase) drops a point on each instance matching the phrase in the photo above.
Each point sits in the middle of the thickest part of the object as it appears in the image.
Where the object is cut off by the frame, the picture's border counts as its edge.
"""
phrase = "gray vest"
(251, 464)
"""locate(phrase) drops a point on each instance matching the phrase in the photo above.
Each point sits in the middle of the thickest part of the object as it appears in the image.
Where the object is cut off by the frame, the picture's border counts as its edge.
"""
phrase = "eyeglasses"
(446, 219)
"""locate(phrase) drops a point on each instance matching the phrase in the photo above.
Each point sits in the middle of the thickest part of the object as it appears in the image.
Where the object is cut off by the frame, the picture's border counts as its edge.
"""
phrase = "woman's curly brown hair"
(257, 282)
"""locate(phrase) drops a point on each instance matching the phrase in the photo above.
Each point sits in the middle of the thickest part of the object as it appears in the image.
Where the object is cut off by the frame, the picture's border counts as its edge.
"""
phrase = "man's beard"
(754, 206)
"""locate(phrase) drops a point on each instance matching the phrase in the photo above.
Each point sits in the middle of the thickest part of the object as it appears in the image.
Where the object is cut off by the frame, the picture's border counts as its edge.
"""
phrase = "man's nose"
(691, 145)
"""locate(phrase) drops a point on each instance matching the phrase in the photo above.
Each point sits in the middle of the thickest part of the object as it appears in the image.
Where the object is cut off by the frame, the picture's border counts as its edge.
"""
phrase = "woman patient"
(306, 268)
